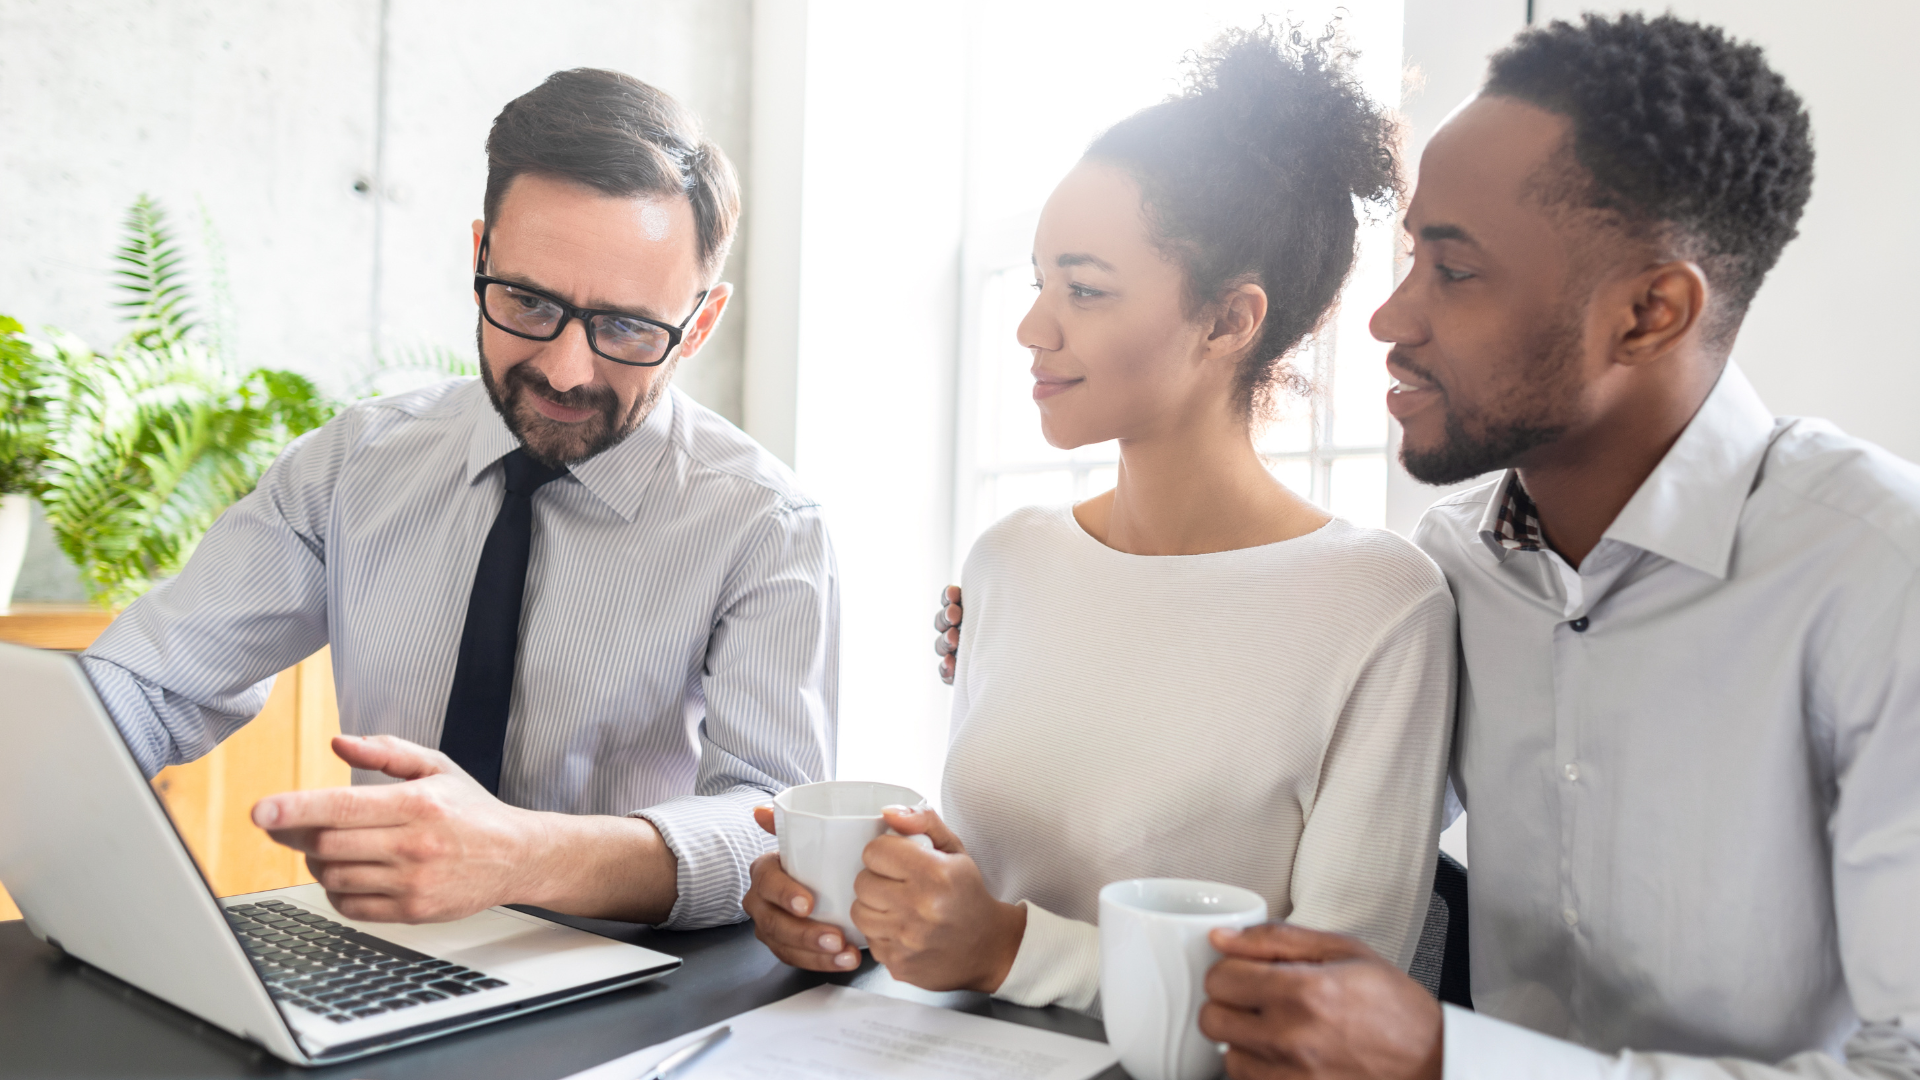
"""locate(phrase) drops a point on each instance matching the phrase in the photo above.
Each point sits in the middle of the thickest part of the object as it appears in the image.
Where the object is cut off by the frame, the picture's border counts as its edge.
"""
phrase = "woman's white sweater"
(1274, 717)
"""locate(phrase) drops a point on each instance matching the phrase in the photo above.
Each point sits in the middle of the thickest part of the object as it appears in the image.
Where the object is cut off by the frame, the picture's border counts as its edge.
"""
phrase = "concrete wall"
(273, 115)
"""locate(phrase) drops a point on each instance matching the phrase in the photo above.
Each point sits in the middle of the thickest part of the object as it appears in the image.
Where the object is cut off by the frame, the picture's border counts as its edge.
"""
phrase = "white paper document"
(838, 1033)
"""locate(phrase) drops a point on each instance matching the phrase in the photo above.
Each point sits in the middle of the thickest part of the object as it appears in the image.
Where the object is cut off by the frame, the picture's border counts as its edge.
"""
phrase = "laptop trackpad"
(503, 944)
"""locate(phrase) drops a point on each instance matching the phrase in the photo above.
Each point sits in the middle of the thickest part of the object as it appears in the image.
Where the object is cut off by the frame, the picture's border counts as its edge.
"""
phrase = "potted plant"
(141, 447)
(23, 447)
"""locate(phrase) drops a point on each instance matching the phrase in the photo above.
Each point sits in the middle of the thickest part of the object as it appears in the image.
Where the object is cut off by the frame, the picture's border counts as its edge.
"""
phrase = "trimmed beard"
(551, 442)
(1533, 413)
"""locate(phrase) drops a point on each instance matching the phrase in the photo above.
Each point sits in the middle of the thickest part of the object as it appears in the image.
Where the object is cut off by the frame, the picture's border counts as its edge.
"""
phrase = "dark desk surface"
(62, 1019)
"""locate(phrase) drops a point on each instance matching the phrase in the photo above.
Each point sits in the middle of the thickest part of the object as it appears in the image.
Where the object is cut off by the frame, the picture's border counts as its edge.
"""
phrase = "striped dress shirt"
(679, 643)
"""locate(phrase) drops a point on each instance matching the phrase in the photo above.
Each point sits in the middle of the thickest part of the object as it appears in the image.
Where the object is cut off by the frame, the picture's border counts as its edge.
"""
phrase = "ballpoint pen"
(679, 1059)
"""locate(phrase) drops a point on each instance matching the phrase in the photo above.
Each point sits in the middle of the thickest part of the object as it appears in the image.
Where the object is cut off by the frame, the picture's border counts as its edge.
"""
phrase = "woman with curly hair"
(1197, 674)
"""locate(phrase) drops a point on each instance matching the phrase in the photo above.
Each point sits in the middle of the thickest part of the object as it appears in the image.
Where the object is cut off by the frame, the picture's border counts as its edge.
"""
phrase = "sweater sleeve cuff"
(1058, 962)
(714, 841)
(1478, 1047)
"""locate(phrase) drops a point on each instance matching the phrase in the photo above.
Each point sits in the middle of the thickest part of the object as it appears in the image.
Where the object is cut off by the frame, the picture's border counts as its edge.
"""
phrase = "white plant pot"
(16, 514)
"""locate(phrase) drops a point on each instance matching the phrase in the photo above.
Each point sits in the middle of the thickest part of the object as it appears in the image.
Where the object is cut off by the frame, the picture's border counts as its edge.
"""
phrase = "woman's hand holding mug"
(854, 870)
(779, 906)
(928, 915)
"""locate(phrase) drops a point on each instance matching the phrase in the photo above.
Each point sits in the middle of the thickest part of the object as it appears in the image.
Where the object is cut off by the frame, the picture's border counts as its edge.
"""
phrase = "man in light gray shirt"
(1689, 726)
(613, 614)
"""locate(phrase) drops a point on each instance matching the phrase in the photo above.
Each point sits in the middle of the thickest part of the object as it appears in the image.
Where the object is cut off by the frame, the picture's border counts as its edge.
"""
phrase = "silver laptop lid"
(95, 864)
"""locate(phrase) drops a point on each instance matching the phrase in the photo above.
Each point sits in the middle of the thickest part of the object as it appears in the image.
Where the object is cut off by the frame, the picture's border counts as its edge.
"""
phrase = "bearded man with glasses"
(580, 625)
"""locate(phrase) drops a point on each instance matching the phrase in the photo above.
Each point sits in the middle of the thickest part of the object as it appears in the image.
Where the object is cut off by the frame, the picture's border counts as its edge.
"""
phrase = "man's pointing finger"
(333, 808)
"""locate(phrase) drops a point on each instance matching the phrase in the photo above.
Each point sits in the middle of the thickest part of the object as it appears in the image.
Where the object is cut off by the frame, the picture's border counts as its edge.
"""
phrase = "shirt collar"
(617, 477)
(1688, 509)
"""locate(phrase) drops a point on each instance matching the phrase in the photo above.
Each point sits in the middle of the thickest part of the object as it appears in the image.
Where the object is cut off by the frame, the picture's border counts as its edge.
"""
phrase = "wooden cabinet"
(284, 748)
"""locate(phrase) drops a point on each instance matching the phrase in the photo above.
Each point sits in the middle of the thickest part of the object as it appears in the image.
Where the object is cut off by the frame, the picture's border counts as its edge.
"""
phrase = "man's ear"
(1237, 320)
(479, 233)
(709, 320)
(1669, 302)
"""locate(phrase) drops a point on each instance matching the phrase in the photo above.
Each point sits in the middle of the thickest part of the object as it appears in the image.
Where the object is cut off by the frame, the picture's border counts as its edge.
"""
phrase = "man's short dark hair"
(618, 135)
(1681, 132)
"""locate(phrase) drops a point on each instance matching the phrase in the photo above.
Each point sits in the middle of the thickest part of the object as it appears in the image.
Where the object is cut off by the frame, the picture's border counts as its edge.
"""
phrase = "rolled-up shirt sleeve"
(190, 662)
(770, 684)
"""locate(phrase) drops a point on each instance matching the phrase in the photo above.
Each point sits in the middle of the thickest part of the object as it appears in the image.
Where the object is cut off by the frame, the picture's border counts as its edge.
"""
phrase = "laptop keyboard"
(342, 974)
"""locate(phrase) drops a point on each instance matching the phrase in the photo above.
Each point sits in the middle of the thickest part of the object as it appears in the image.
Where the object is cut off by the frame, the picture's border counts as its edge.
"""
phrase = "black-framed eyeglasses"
(526, 312)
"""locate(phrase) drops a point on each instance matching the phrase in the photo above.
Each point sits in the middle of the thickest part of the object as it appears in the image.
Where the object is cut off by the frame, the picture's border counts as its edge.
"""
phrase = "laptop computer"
(96, 866)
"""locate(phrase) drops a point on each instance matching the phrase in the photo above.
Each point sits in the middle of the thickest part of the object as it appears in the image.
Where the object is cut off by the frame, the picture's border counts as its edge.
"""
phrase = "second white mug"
(823, 829)
(1154, 957)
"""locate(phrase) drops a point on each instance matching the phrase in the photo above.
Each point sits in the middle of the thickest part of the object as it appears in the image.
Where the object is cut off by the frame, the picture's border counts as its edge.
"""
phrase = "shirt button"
(1571, 916)
(1572, 771)
(1579, 625)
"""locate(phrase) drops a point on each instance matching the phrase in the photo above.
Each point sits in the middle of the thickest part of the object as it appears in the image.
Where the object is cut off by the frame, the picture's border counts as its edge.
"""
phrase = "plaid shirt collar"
(1516, 525)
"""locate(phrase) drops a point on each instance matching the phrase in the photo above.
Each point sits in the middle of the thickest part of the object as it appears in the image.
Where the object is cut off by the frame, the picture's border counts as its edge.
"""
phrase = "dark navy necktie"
(475, 732)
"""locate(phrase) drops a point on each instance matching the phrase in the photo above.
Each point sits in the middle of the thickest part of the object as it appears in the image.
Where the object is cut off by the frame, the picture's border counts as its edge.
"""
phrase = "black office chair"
(1440, 962)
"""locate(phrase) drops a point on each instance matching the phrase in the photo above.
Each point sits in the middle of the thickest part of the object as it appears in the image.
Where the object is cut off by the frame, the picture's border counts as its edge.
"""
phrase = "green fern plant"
(155, 294)
(149, 442)
(23, 411)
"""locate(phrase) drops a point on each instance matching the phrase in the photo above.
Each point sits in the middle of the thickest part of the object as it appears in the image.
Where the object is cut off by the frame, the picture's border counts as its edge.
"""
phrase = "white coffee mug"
(824, 829)
(1154, 957)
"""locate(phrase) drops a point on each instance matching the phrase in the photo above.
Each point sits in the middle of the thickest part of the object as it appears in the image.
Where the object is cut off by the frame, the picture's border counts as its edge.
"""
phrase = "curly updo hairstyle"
(1682, 133)
(1256, 172)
